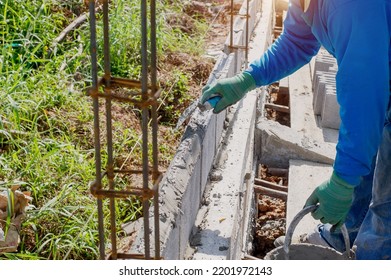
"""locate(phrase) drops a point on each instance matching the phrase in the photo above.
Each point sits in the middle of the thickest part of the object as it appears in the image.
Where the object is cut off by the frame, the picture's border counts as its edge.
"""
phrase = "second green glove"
(335, 197)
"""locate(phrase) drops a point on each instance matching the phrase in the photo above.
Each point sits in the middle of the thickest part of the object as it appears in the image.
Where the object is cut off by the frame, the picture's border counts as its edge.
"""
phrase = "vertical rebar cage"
(232, 47)
(143, 94)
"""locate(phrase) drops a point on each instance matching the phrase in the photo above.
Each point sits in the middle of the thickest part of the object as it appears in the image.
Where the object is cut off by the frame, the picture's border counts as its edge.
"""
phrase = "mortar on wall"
(183, 185)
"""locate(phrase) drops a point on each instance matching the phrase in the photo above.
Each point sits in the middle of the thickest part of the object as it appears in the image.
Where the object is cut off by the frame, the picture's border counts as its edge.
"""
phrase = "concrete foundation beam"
(219, 231)
(278, 144)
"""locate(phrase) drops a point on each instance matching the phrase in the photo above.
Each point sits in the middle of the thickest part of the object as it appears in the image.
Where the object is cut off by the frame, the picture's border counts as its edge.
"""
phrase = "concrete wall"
(183, 185)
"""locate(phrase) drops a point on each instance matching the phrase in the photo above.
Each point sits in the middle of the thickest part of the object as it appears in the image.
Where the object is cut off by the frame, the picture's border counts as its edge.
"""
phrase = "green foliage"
(175, 94)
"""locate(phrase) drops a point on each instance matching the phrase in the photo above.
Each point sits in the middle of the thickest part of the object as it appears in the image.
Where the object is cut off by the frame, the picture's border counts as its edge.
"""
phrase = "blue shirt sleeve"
(294, 48)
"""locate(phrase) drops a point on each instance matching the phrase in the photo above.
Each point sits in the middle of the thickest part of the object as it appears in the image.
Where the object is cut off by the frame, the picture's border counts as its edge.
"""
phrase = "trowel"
(208, 105)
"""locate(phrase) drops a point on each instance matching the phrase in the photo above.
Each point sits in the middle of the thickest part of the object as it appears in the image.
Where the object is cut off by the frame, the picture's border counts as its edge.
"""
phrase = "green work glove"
(335, 198)
(231, 90)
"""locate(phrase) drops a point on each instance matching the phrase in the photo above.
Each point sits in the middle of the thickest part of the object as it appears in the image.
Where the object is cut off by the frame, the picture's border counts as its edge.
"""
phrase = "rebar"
(94, 89)
(145, 96)
(232, 47)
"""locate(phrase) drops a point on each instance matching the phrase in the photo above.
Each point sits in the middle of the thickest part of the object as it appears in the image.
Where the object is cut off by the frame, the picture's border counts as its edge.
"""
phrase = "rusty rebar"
(155, 149)
(144, 122)
(94, 76)
(109, 128)
(231, 29)
(146, 99)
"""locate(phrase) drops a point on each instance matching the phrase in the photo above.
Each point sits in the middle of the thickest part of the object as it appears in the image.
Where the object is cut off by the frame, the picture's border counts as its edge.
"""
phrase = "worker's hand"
(230, 89)
(335, 198)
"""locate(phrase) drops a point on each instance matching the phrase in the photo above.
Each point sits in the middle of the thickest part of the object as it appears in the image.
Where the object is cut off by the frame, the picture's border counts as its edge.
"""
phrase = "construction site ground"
(239, 177)
(270, 135)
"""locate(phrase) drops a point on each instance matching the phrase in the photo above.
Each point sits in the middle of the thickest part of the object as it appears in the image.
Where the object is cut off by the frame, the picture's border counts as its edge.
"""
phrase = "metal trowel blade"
(186, 114)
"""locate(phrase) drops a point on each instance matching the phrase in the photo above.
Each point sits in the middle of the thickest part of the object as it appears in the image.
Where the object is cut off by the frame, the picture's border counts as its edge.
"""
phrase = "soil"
(270, 222)
(279, 97)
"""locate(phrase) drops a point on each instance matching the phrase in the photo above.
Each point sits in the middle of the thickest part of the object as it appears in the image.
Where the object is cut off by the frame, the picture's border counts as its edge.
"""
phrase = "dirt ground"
(270, 222)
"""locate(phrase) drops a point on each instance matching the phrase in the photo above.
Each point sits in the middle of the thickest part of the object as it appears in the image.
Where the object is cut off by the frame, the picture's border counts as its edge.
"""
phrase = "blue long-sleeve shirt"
(357, 34)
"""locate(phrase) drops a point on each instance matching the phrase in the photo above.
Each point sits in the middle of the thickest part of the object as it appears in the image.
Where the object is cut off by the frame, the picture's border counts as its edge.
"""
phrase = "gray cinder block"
(330, 112)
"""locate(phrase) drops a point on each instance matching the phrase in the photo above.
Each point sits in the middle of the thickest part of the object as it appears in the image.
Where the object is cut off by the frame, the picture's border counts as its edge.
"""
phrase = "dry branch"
(72, 26)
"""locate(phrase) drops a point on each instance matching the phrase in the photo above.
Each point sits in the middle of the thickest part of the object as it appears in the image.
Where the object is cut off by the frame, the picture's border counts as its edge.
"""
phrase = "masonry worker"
(357, 34)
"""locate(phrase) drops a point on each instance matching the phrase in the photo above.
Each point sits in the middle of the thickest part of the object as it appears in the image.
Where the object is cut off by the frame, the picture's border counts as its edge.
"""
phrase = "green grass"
(46, 140)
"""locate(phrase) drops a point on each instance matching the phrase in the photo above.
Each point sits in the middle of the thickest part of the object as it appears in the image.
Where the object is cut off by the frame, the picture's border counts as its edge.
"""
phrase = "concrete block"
(264, 31)
(304, 177)
(217, 70)
(277, 144)
(312, 68)
(231, 65)
(324, 81)
(330, 112)
(333, 69)
(208, 147)
(325, 69)
(220, 120)
(239, 60)
(323, 65)
(323, 76)
(284, 83)
(191, 200)
(300, 98)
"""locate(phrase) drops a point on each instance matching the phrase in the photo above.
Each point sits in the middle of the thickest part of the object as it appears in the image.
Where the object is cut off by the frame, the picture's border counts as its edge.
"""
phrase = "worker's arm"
(294, 48)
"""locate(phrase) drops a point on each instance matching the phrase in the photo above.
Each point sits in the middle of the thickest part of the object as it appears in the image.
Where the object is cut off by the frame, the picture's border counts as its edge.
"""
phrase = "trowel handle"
(296, 220)
(210, 103)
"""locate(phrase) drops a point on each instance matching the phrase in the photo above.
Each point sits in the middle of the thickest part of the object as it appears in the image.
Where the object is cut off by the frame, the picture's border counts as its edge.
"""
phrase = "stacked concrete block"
(324, 88)
(323, 80)
(330, 111)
